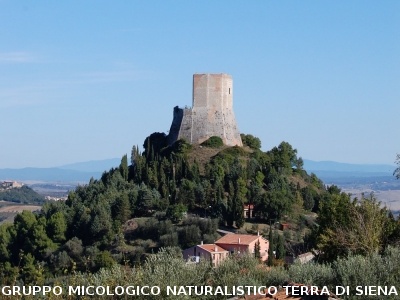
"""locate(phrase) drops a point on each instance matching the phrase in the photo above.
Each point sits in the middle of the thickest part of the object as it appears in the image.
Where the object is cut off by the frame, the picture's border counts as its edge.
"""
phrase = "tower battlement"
(211, 113)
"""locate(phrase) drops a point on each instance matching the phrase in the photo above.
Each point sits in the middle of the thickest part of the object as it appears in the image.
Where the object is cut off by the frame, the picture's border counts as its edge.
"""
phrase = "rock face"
(211, 113)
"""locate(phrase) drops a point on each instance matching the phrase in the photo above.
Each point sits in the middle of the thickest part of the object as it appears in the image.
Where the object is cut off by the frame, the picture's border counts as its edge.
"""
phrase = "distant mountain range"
(93, 165)
(77, 172)
(339, 173)
(83, 171)
(333, 166)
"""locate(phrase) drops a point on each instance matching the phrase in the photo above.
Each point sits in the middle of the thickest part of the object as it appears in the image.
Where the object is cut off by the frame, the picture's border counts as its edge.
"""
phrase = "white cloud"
(16, 57)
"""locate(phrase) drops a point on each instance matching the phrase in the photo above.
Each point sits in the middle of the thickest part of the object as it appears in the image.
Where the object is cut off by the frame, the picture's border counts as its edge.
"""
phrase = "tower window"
(229, 91)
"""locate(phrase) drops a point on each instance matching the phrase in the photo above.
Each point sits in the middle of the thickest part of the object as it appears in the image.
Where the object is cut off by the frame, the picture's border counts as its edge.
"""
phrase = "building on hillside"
(284, 226)
(301, 258)
(248, 211)
(305, 257)
(211, 113)
(10, 184)
(229, 244)
(244, 243)
(211, 252)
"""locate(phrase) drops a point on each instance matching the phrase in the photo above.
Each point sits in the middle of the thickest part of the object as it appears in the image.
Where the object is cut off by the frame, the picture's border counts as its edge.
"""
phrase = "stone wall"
(211, 114)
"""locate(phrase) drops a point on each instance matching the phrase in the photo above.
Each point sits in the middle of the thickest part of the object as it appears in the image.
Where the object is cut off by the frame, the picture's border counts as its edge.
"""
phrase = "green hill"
(226, 178)
(23, 195)
(177, 196)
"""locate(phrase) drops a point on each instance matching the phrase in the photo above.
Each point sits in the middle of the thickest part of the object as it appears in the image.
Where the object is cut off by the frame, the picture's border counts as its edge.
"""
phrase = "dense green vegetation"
(23, 195)
(167, 268)
(177, 196)
(213, 142)
(251, 141)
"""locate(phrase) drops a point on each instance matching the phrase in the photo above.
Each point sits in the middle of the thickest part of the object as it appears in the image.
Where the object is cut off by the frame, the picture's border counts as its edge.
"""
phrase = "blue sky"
(87, 80)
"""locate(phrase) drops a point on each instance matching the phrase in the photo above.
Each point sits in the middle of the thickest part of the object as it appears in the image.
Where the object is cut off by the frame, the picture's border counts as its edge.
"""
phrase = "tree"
(145, 200)
(280, 247)
(32, 273)
(239, 217)
(186, 193)
(284, 157)
(153, 144)
(57, 227)
(101, 223)
(22, 238)
(123, 167)
(273, 205)
(121, 209)
(348, 226)
(333, 213)
(74, 248)
(137, 168)
(257, 249)
(5, 240)
(365, 234)
(176, 212)
(61, 261)
(251, 141)
(308, 195)
(270, 248)
(169, 240)
(190, 236)
(299, 164)
(104, 259)
(397, 171)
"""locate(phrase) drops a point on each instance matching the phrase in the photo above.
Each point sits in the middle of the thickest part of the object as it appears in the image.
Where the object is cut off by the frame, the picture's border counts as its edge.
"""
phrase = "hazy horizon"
(117, 160)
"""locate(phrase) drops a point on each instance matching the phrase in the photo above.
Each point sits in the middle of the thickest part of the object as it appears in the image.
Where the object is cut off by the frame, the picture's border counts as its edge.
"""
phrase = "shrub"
(312, 274)
(251, 141)
(213, 142)
(374, 269)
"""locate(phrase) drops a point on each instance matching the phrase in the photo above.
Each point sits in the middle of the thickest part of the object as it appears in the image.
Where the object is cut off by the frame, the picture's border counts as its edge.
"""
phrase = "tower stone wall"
(211, 113)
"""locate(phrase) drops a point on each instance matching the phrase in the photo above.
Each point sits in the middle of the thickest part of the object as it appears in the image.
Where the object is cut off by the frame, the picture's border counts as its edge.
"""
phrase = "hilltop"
(226, 178)
(23, 195)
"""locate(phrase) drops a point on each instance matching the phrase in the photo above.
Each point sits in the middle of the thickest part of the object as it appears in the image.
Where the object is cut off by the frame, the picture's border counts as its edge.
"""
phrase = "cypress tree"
(257, 249)
(238, 212)
(270, 249)
(280, 248)
(123, 167)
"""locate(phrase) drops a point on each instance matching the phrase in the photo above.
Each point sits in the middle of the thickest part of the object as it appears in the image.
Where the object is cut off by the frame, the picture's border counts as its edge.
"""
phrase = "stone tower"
(211, 113)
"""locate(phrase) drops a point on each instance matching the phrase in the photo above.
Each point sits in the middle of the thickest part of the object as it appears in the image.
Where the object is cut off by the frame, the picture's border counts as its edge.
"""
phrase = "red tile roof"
(248, 206)
(212, 248)
(237, 239)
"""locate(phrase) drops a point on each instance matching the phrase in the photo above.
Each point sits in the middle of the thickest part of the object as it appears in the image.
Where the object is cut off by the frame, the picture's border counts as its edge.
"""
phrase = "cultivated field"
(19, 208)
(390, 198)
(8, 210)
